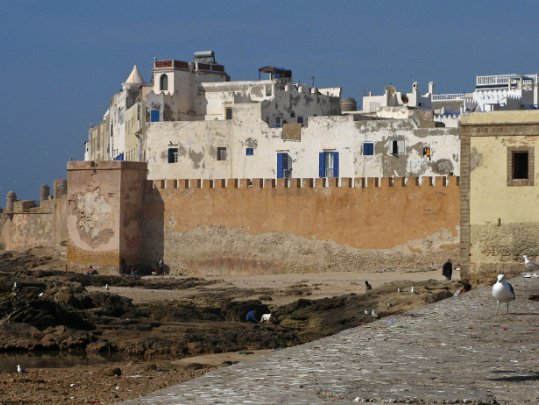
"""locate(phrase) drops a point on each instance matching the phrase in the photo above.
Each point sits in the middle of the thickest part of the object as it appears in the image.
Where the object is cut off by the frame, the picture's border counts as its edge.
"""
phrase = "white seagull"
(530, 265)
(106, 286)
(20, 369)
(503, 292)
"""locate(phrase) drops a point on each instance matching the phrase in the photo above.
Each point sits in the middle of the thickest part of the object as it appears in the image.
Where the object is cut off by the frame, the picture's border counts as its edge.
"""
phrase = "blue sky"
(61, 60)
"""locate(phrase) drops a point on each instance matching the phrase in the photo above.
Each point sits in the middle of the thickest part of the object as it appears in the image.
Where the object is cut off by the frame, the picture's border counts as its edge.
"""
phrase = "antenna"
(312, 77)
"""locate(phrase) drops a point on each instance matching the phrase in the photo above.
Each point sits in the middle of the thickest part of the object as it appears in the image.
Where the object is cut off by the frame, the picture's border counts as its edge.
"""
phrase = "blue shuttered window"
(280, 171)
(368, 148)
(328, 164)
(322, 164)
(154, 116)
(284, 165)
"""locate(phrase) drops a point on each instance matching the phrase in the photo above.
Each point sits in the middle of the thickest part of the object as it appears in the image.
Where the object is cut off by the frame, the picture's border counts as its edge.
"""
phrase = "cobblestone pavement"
(453, 351)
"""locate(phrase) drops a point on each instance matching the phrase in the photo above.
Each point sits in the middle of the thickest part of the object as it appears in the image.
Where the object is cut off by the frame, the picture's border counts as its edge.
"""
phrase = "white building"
(192, 122)
(199, 90)
(349, 145)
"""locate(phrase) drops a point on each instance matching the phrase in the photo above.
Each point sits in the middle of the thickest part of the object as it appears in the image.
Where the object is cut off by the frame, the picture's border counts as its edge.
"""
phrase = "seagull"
(530, 265)
(20, 369)
(398, 289)
(366, 312)
(389, 304)
(412, 290)
(15, 286)
(40, 294)
(374, 314)
(106, 286)
(503, 292)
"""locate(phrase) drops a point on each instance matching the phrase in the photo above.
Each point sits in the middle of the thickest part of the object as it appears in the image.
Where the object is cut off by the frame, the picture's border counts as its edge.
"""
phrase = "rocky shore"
(151, 322)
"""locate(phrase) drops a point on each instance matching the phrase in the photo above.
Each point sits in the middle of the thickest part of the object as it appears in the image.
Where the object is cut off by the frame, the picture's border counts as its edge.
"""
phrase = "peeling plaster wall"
(372, 217)
(502, 222)
(99, 141)
(197, 143)
(288, 105)
(104, 214)
(43, 226)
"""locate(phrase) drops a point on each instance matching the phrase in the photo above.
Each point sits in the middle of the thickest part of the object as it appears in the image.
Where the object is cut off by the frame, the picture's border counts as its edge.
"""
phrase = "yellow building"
(499, 192)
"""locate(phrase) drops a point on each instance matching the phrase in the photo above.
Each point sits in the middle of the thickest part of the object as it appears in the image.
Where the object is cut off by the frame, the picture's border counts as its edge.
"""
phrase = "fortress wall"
(364, 213)
(39, 226)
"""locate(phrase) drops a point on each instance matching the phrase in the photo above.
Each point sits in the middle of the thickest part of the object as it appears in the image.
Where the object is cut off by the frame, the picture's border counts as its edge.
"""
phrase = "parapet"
(297, 183)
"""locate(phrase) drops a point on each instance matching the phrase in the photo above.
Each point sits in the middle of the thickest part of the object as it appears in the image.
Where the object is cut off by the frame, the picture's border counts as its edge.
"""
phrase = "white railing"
(493, 80)
(442, 97)
(498, 80)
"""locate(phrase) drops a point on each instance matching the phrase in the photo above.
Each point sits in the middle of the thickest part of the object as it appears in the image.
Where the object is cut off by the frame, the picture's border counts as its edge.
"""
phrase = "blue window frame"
(284, 165)
(368, 148)
(249, 151)
(328, 164)
(154, 116)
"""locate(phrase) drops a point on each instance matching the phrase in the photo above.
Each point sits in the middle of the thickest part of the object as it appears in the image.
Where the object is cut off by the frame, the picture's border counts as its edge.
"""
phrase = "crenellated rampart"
(364, 213)
(25, 225)
(111, 212)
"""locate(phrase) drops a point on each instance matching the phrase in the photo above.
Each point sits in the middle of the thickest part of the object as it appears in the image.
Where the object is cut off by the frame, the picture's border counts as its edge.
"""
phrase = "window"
(397, 147)
(173, 155)
(328, 164)
(300, 120)
(520, 166)
(221, 153)
(163, 82)
(368, 148)
(249, 151)
(154, 116)
(228, 113)
(284, 165)
(278, 122)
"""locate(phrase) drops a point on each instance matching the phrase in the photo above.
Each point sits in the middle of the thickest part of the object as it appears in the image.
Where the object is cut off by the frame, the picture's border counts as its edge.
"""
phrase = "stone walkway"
(453, 351)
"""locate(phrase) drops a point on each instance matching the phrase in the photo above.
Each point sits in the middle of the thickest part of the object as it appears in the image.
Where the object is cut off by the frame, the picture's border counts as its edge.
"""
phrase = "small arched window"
(163, 82)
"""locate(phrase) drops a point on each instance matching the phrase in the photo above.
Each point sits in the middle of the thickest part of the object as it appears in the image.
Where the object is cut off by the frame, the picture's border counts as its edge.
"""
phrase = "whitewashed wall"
(198, 142)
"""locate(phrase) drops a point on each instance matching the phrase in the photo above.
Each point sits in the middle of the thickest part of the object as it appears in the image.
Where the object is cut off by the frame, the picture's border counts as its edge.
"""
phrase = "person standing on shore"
(160, 266)
(447, 269)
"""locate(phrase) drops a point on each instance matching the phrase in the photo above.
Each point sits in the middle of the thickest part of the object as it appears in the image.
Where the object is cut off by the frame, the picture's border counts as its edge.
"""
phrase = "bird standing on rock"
(368, 286)
(20, 369)
(503, 292)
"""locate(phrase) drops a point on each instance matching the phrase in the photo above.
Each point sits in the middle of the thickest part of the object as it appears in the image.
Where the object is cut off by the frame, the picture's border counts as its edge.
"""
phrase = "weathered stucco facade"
(252, 147)
(500, 191)
(360, 213)
(104, 214)
(112, 211)
(24, 226)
